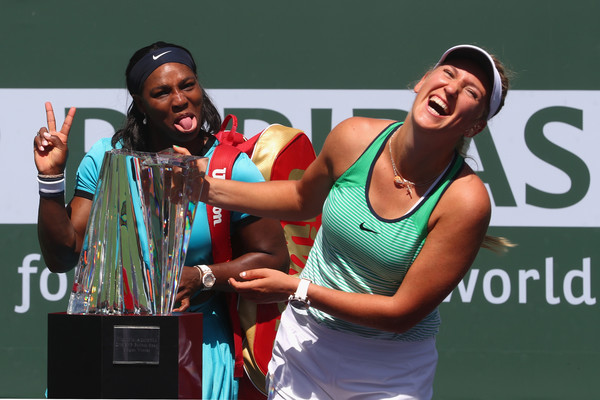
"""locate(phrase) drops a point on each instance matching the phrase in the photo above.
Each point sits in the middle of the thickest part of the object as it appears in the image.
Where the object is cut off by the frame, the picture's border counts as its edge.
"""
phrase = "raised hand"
(50, 145)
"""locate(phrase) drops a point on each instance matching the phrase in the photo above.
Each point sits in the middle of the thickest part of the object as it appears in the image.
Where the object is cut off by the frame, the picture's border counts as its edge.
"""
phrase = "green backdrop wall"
(520, 326)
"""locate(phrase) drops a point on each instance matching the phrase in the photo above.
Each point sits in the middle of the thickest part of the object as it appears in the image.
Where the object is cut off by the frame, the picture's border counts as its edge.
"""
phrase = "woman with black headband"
(169, 109)
(403, 218)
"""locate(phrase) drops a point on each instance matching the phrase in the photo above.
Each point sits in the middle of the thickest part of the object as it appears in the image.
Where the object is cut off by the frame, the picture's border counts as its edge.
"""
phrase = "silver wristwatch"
(299, 299)
(208, 278)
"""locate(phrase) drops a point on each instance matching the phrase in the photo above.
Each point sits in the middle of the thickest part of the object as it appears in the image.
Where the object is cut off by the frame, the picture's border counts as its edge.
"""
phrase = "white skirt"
(311, 361)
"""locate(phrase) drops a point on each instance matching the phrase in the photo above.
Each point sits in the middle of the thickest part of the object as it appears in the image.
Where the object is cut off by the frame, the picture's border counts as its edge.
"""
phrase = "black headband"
(154, 59)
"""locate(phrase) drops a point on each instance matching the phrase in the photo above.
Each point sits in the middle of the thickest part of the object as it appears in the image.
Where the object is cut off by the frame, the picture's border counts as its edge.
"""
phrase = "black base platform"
(100, 356)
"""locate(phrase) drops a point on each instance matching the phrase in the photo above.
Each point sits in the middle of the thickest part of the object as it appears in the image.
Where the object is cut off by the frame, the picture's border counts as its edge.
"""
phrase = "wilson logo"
(219, 173)
(217, 216)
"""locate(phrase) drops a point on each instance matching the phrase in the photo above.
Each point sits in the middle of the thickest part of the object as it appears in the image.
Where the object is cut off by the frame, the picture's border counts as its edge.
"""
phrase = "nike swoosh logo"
(156, 57)
(364, 228)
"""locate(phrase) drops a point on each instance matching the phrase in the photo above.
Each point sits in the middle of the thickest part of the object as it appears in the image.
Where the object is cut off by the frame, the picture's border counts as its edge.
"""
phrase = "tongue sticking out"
(185, 124)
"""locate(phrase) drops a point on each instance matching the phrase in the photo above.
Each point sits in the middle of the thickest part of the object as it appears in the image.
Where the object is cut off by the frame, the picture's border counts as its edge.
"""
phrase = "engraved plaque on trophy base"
(103, 356)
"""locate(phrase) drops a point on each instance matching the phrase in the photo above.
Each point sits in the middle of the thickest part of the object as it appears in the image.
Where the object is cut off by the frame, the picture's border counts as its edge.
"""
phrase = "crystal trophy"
(137, 234)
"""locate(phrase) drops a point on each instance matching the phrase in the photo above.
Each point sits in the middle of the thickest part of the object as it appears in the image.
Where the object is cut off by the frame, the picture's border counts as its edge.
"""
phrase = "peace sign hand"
(50, 146)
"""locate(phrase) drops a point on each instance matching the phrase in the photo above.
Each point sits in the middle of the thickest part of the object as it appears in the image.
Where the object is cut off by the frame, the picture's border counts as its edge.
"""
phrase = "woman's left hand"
(189, 284)
(265, 285)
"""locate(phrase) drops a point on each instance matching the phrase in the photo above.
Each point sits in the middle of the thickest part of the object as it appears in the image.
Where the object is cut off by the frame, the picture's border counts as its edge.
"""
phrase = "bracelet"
(51, 185)
(50, 177)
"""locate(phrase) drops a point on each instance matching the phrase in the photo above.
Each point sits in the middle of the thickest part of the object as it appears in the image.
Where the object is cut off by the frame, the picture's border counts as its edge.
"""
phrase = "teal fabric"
(217, 351)
(358, 251)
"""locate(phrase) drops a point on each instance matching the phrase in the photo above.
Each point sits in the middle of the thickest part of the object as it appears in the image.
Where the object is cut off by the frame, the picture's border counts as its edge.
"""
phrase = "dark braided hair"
(133, 135)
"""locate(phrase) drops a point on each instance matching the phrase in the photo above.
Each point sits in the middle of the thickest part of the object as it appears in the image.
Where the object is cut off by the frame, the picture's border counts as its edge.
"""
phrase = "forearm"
(274, 199)
(56, 235)
(232, 269)
(260, 244)
(257, 243)
(376, 311)
(387, 313)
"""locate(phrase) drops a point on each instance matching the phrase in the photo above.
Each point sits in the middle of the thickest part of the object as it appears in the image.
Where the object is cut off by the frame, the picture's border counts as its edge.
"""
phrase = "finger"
(66, 126)
(185, 304)
(255, 274)
(233, 282)
(40, 144)
(41, 139)
(50, 117)
(181, 150)
(37, 143)
(244, 275)
(237, 285)
(49, 139)
(181, 294)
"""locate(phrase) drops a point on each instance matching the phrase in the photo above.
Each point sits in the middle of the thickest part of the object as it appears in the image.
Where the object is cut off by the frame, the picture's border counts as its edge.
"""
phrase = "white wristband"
(51, 187)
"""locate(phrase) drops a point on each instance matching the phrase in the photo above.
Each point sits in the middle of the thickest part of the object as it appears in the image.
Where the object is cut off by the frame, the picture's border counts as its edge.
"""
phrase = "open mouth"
(437, 106)
(186, 123)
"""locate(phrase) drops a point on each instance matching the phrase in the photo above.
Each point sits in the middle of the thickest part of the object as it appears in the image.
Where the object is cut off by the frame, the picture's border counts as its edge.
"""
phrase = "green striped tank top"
(358, 251)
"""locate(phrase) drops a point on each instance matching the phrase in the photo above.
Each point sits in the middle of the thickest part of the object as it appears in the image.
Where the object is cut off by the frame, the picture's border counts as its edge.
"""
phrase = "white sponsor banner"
(523, 134)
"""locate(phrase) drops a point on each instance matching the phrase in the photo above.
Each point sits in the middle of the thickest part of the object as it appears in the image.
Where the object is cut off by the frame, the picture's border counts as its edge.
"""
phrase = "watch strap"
(205, 269)
(302, 290)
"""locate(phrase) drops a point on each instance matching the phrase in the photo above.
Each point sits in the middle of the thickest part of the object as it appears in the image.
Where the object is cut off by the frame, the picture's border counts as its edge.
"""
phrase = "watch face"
(299, 304)
(208, 280)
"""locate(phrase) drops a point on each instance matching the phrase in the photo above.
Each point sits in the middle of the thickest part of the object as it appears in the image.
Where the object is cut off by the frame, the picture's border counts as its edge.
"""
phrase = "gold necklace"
(399, 181)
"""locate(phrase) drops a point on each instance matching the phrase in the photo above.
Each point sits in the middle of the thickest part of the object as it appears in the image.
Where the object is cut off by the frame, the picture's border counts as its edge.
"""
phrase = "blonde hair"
(497, 244)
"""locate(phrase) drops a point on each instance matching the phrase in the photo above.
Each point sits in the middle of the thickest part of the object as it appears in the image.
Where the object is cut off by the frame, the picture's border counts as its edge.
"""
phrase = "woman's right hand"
(50, 145)
(265, 285)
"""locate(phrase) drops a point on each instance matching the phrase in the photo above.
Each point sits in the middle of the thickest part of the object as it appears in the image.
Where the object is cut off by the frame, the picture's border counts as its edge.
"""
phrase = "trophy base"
(104, 356)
